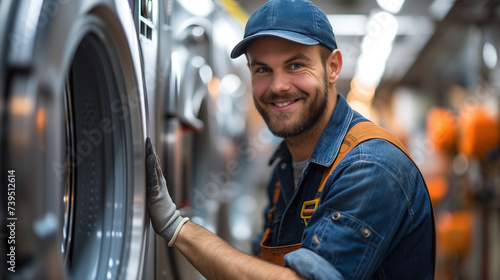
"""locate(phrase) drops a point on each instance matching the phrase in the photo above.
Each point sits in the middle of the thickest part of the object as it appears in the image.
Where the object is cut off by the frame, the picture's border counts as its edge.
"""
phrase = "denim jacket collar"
(337, 127)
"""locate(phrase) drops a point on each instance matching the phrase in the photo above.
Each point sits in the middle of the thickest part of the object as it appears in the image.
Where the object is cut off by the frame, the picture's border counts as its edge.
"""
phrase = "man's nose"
(280, 82)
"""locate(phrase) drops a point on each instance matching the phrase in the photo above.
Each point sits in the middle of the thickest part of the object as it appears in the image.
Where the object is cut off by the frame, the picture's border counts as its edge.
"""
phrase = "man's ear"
(334, 65)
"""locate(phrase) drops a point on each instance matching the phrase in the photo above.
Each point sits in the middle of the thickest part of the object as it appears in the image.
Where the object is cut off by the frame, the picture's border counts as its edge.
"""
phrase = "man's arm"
(215, 259)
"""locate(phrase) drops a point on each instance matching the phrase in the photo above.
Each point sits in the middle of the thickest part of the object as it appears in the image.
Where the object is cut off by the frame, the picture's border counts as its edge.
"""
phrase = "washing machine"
(185, 118)
(152, 19)
(73, 120)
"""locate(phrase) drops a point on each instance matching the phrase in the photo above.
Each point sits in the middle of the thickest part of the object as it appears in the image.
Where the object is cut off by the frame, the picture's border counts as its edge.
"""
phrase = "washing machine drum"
(73, 125)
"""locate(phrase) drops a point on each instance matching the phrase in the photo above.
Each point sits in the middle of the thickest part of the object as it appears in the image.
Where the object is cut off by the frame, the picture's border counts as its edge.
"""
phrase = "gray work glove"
(165, 218)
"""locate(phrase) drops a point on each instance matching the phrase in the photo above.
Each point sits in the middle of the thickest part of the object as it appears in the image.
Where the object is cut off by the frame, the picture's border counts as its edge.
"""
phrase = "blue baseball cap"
(295, 20)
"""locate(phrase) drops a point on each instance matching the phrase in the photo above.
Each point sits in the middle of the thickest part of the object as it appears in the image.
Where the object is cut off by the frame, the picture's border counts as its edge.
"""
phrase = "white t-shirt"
(298, 167)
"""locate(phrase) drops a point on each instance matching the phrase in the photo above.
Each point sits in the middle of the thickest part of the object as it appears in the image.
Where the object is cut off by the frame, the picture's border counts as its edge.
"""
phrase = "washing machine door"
(72, 140)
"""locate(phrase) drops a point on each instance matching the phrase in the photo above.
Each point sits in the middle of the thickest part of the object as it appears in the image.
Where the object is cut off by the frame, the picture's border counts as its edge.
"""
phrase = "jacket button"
(283, 165)
(366, 233)
(335, 216)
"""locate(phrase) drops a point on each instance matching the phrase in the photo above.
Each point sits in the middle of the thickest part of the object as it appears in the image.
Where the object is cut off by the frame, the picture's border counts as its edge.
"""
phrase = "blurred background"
(428, 71)
(83, 83)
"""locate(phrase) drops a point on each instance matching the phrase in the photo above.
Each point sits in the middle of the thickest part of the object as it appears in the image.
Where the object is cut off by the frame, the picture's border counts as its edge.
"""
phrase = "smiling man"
(291, 87)
(346, 200)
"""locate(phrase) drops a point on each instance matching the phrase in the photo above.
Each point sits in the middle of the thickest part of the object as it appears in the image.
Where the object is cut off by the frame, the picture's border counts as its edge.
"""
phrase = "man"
(367, 216)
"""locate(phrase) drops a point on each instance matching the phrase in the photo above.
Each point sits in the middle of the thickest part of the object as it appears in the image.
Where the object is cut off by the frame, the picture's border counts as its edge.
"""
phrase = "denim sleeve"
(360, 217)
(311, 265)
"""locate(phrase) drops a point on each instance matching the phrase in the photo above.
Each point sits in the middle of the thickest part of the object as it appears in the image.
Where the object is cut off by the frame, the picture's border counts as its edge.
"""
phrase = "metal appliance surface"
(74, 122)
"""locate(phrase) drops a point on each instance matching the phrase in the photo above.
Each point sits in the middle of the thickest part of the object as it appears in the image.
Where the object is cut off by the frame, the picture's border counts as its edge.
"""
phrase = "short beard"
(312, 115)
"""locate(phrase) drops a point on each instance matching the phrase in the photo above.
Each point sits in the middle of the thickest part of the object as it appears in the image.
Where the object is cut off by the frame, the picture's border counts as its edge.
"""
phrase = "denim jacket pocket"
(347, 243)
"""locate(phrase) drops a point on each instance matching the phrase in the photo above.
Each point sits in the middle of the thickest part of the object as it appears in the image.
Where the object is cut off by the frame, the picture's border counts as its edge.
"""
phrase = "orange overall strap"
(276, 194)
(274, 254)
(359, 133)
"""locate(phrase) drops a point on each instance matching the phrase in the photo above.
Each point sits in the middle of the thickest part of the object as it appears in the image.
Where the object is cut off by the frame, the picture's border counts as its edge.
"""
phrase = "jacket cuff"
(311, 265)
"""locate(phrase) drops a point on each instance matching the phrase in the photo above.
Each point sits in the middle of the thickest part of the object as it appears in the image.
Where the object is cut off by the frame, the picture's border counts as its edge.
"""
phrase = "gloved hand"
(165, 218)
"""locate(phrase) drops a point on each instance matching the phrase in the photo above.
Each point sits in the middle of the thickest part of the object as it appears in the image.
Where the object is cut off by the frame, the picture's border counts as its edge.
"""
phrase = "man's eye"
(262, 70)
(296, 66)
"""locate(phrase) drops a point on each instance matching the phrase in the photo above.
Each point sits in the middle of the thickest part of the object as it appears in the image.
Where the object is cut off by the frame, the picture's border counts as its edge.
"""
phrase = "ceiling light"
(382, 26)
(490, 56)
(348, 25)
(440, 8)
(198, 7)
(392, 6)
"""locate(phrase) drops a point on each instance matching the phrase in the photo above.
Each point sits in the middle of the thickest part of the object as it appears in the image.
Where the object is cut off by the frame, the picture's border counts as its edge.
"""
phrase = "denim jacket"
(375, 217)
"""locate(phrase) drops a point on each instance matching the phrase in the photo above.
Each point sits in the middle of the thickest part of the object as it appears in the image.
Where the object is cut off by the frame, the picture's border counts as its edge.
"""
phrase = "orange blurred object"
(41, 122)
(479, 132)
(442, 129)
(438, 188)
(454, 232)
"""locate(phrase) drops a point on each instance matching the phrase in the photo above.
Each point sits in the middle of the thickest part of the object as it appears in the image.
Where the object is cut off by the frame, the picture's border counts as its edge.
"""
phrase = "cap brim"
(242, 46)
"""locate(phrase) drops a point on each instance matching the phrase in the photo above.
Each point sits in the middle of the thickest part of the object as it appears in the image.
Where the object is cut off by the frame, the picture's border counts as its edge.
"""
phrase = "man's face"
(290, 88)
